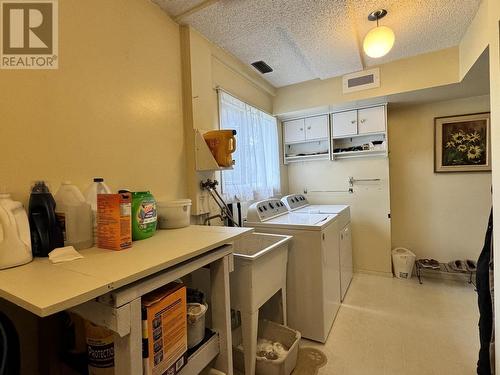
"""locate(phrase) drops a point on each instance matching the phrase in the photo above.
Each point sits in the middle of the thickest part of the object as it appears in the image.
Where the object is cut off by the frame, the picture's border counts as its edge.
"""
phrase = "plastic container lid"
(175, 203)
(195, 311)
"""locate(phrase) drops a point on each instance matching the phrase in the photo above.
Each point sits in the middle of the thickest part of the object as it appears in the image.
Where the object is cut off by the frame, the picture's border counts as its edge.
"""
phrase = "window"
(256, 174)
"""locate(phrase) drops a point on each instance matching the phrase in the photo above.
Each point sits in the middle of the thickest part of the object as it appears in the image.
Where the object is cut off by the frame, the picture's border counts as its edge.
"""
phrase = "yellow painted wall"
(493, 23)
(475, 40)
(436, 215)
(419, 72)
(206, 67)
(370, 203)
(112, 109)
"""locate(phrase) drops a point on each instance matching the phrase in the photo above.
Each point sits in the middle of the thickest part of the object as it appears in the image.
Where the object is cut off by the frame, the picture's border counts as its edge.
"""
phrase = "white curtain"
(256, 174)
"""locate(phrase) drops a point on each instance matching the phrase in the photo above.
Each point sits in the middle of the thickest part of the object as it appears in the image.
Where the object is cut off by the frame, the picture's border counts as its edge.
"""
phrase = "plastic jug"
(15, 241)
(222, 144)
(74, 216)
(46, 233)
(98, 187)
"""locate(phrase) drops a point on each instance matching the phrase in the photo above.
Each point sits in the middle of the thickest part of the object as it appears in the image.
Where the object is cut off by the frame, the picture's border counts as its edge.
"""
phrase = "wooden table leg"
(128, 349)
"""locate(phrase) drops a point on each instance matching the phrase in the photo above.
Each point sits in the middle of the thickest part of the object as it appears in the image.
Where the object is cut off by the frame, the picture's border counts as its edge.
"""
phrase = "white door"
(345, 123)
(316, 127)
(293, 131)
(345, 259)
(371, 120)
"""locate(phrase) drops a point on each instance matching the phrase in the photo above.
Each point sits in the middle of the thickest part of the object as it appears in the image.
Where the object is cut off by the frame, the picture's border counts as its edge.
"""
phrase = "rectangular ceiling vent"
(364, 80)
(262, 67)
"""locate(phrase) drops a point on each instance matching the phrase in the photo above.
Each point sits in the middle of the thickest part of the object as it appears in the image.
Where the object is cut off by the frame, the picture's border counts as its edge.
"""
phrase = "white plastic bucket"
(196, 323)
(403, 261)
(174, 214)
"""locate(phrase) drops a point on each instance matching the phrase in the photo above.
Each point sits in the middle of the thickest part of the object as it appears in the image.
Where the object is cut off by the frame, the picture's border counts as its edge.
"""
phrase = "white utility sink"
(260, 264)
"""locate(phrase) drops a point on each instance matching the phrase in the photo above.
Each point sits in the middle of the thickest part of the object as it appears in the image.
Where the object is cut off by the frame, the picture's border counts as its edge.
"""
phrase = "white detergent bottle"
(75, 216)
(97, 187)
(15, 238)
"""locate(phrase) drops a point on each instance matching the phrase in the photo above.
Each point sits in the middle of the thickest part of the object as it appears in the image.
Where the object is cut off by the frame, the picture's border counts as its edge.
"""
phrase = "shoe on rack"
(432, 264)
(457, 266)
(471, 265)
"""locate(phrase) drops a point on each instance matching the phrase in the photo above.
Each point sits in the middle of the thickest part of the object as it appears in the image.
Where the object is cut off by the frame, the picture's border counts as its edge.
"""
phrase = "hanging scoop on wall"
(222, 144)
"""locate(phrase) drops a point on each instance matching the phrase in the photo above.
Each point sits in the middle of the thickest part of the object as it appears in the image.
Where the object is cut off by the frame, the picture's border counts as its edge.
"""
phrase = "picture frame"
(462, 143)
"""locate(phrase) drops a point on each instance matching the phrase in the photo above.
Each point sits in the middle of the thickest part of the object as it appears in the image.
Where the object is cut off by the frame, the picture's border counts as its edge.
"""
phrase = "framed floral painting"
(462, 143)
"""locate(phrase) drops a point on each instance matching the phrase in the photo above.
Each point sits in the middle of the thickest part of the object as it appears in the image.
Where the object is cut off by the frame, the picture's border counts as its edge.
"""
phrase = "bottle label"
(101, 353)
(146, 214)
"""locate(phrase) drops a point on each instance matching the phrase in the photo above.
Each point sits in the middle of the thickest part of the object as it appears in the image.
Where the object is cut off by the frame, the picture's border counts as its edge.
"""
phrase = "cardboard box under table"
(164, 326)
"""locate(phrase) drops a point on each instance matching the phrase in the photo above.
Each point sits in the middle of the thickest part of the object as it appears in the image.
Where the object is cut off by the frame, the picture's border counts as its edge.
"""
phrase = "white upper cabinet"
(345, 123)
(371, 120)
(293, 131)
(308, 129)
(316, 127)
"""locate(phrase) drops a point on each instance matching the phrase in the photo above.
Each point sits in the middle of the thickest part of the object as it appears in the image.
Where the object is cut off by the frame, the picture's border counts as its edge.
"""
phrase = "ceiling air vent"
(262, 67)
(367, 79)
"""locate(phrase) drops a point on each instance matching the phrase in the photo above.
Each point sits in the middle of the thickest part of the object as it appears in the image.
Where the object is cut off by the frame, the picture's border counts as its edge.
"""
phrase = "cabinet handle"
(353, 121)
(363, 121)
(301, 129)
(308, 128)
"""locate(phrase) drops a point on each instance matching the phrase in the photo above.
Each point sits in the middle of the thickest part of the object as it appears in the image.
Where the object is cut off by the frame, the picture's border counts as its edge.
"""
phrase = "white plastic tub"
(275, 332)
(174, 214)
(196, 323)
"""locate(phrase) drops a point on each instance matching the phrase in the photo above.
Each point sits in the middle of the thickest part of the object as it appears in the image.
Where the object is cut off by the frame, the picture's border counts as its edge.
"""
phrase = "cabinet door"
(293, 131)
(371, 120)
(345, 123)
(316, 127)
(345, 259)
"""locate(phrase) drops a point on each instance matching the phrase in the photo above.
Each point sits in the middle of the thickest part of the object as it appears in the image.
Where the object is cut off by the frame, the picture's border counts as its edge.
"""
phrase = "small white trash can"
(403, 261)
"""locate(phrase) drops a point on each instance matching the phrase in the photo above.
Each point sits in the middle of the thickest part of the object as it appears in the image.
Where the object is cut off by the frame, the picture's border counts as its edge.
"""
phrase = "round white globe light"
(379, 41)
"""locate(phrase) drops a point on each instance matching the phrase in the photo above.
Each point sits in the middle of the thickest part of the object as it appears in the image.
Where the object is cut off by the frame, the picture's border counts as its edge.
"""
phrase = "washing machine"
(298, 203)
(313, 271)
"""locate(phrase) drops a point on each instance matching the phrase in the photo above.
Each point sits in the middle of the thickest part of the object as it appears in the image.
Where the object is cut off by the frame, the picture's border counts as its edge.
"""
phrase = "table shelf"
(203, 354)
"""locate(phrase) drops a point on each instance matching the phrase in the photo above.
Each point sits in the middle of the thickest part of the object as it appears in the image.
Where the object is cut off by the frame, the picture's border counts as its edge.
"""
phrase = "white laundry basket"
(403, 261)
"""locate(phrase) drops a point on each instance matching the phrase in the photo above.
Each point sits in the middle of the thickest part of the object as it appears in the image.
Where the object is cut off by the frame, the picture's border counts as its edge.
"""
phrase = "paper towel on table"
(64, 254)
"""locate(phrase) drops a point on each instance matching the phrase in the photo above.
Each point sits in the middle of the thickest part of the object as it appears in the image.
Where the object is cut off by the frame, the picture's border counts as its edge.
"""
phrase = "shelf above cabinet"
(292, 159)
(357, 154)
(307, 141)
(358, 135)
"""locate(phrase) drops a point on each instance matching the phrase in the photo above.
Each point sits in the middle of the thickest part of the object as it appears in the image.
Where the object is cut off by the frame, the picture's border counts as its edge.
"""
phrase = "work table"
(106, 287)
(44, 288)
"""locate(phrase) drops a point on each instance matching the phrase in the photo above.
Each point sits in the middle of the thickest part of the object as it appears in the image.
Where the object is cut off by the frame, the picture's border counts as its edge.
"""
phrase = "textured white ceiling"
(308, 39)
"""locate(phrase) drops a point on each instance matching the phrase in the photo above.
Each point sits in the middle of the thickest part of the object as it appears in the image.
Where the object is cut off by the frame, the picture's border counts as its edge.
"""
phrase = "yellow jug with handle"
(222, 144)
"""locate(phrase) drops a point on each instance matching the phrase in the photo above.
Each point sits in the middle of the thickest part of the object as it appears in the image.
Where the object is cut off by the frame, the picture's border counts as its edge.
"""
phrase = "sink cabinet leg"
(249, 328)
(128, 349)
(283, 305)
(221, 313)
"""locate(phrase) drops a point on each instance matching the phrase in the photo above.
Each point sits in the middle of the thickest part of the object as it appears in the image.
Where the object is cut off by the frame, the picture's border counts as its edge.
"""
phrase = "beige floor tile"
(390, 327)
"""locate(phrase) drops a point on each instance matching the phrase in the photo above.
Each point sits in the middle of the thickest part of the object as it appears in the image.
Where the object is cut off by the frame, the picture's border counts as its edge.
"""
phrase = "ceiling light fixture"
(379, 40)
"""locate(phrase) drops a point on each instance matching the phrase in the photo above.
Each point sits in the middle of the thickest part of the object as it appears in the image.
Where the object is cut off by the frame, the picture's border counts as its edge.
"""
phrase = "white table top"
(44, 288)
